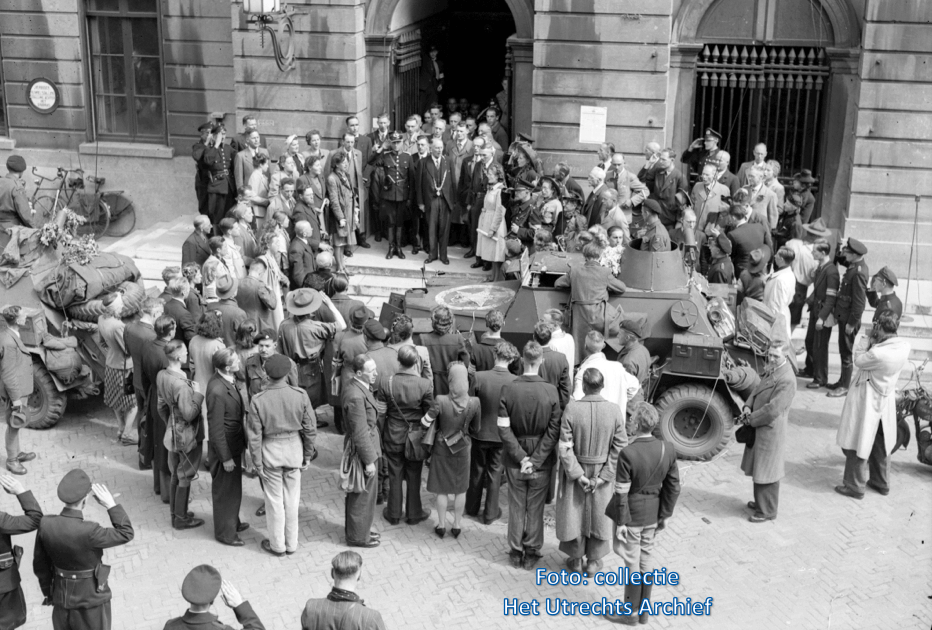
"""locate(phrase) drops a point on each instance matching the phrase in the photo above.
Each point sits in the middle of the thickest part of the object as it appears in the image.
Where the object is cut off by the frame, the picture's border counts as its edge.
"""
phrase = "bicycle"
(108, 212)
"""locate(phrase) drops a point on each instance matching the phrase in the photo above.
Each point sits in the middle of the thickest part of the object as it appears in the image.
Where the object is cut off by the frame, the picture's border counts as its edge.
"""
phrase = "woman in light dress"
(201, 349)
(275, 277)
(490, 246)
(258, 194)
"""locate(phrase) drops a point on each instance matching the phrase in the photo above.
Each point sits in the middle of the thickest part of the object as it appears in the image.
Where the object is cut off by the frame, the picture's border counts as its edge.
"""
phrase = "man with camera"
(69, 553)
(395, 171)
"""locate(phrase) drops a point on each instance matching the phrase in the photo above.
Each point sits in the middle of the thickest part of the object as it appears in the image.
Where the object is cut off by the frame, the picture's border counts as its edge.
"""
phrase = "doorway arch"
(389, 50)
(834, 29)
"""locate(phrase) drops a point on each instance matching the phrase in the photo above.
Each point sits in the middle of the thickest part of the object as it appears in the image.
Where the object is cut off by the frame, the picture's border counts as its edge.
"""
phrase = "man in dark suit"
(667, 182)
(250, 124)
(200, 588)
(849, 306)
(227, 441)
(435, 196)
(529, 427)
(485, 465)
(16, 385)
(302, 254)
(554, 368)
(821, 305)
(175, 307)
(597, 201)
(472, 189)
(306, 210)
(136, 336)
(381, 133)
(12, 601)
(359, 417)
(723, 175)
(342, 607)
(69, 553)
(195, 247)
(649, 169)
(230, 313)
(760, 157)
(561, 173)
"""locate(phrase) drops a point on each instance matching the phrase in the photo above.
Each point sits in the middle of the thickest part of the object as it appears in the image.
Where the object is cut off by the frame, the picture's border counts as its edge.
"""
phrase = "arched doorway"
(782, 73)
(480, 43)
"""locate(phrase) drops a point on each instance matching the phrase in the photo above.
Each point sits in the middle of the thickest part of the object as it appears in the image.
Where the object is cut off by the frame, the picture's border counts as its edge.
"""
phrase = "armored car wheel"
(46, 405)
(695, 419)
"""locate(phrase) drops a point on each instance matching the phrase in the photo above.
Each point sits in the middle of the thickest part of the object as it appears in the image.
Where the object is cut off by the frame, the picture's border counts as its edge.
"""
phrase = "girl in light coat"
(867, 433)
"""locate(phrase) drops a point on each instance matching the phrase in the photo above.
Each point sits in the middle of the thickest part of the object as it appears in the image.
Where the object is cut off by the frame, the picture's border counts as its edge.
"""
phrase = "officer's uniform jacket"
(722, 271)
(852, 295)
(14, 207)
(399, 171)
(69, 553)
(209, 621)
(10, 526)
(529, 421)
(276, 417)
(219, 163)
(636, 361)
(254, 375)
(824, 291)
(885, 304)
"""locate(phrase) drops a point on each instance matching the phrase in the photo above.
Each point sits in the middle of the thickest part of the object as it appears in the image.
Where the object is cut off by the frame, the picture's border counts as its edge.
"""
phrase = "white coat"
(619, 386)
(871, 399)
(778, 294)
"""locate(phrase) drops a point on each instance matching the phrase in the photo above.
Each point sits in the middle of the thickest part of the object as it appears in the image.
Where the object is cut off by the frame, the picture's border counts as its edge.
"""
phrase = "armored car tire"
(133, 297)
(46, 405)
(695, 419)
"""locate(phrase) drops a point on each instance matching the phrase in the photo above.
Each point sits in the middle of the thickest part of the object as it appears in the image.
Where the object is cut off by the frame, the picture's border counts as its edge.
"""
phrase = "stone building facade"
(840, 86)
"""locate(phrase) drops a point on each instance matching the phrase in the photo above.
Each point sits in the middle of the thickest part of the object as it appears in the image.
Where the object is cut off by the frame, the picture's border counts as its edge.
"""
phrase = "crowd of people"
(256, 334)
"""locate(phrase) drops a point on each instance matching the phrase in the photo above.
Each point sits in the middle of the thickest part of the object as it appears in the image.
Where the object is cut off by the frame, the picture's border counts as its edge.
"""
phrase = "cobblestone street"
(827, 562)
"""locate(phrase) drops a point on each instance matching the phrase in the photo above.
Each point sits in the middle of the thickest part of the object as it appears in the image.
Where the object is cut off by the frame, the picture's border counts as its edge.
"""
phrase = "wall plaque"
(43, 96)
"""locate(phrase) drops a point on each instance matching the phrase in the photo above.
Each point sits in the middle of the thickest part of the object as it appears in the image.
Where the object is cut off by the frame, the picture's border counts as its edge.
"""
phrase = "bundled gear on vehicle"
(77, 284)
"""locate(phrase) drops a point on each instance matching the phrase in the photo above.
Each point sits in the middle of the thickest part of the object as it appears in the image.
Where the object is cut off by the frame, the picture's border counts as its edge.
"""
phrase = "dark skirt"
(449, 472)
(113, 390)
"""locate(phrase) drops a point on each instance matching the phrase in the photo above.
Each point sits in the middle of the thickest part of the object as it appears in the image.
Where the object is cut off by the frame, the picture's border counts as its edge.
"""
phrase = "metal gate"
(406, 82)
(769, 94)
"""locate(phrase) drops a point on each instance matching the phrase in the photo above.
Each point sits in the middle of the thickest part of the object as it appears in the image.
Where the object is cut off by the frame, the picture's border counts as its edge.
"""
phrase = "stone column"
(522, 71)
(379, 66)
(841, 115)
(682, 89)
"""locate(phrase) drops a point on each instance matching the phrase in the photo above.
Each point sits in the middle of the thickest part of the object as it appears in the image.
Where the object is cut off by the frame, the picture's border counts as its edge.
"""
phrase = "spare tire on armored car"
(696, 419)
(46, 405)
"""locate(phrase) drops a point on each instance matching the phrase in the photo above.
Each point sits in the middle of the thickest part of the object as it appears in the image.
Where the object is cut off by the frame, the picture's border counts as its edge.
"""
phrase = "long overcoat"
(871, 398)
(770, 409)
(592, 434)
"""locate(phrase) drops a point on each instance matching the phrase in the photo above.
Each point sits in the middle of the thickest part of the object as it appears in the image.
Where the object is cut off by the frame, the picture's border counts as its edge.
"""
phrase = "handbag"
(456, 442)
(415, 449)
(352, 472)
(128, 388)
(746, 435)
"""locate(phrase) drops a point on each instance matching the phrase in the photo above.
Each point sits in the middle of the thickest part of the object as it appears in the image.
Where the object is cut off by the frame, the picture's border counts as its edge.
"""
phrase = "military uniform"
(821, 304)
(281, 429)
(885, 304)
(68, 559)
(12, 601)
(16, 383)
(721, 271)
(636, 361)
(655, 238)
(201, 587)
(256, 378)
(14, 207)
(520, 212)
(180, 405)
(397, 185)
(849, 306)
(219, 164)
(303, 342)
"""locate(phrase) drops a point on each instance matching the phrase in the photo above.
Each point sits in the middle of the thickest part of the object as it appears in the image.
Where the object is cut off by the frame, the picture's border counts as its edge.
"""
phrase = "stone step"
(368, 285)
(372, 262)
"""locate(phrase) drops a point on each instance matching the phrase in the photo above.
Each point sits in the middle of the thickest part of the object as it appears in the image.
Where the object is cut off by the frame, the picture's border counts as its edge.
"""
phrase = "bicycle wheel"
(46, 209)
(122, 214)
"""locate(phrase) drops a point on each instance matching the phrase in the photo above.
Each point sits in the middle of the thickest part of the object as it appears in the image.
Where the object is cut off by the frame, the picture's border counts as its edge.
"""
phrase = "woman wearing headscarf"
(454, 413)
(867, 433)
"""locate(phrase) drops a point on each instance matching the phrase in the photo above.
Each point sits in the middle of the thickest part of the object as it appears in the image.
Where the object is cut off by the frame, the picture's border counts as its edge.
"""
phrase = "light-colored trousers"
(637, 547)
(282, 487)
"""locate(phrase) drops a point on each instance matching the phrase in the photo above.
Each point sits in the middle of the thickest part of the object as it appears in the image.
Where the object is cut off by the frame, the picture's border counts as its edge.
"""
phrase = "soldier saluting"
(68, 556)
(393, 183)
(12, 601)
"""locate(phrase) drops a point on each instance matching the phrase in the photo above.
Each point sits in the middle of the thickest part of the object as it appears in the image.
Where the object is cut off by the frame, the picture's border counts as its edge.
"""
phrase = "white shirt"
(778, 293)
(564, 343)
(804, 266)
(619, 386)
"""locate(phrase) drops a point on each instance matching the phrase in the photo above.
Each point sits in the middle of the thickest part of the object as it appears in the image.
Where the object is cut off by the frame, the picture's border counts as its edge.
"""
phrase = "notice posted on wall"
(592, 121)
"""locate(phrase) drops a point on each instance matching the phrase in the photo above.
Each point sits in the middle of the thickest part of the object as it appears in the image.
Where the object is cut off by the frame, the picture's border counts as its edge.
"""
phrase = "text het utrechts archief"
(554, 606)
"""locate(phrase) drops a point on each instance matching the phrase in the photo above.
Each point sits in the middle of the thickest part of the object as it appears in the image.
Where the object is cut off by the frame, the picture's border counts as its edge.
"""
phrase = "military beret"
(16, 164)
(278, 366)
(856, 246)
(636, 323)
(205, 126)
(724, 243)
(887, 274)
(358, 316)
(267, 334)
(374, 330)
(201, 585)
(74, 486)
(652, 206)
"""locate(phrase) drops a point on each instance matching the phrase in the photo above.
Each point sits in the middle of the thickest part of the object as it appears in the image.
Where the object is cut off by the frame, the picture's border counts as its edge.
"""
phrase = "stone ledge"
(7, 144)
(127, 149)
